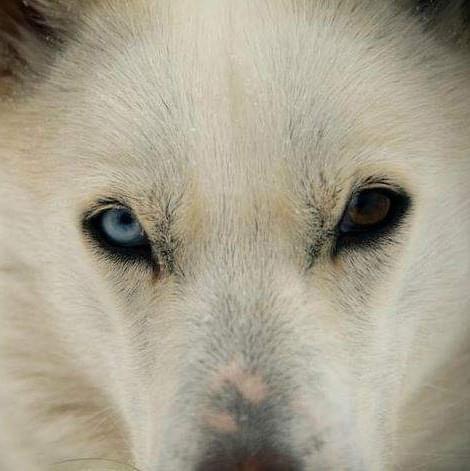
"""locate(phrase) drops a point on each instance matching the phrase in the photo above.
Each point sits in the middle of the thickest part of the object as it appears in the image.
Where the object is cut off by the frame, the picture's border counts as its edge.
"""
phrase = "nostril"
(263, 461)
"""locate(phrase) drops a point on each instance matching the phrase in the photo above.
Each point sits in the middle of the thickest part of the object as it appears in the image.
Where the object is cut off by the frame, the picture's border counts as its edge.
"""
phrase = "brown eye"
(371, 213)
(367, 209)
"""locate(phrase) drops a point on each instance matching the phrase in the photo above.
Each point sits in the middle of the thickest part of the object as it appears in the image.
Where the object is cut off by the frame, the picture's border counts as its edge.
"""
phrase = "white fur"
(249, 122)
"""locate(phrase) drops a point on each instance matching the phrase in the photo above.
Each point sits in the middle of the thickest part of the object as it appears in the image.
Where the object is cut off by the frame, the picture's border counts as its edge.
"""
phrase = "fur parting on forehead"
(251, 386)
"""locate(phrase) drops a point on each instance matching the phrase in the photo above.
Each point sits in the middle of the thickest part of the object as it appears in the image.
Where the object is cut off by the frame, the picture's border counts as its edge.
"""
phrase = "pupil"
(126, 219)
(370, 208)
(370, 203)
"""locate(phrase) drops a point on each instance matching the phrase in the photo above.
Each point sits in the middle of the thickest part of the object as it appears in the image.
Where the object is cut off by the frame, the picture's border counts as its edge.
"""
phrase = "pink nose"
(263, 461)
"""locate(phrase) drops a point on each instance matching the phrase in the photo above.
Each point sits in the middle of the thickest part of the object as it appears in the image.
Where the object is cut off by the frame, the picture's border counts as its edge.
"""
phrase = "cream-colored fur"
(236, 131)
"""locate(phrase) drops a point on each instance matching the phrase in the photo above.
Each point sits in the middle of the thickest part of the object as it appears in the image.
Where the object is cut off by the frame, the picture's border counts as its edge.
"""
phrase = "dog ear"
(447, 19)
(31, 32)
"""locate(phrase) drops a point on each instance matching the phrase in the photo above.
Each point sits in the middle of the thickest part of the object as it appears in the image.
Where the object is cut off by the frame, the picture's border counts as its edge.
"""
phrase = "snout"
(246, 440)
(243, 415)
(263, 460)
(254, 399)
(244, 424)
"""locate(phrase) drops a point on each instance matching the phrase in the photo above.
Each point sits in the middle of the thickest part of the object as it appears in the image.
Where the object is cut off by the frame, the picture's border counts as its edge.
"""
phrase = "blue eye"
(118, 234)
(121, 228)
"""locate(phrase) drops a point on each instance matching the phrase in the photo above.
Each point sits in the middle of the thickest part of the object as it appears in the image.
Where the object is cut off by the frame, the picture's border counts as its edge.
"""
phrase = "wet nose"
(267, 460)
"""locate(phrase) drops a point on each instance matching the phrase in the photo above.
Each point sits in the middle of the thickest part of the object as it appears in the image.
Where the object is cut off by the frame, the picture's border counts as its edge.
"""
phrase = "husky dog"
(235, 235)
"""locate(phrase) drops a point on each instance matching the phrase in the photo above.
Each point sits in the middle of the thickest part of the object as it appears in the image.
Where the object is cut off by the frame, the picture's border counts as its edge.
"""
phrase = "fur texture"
(236, 132)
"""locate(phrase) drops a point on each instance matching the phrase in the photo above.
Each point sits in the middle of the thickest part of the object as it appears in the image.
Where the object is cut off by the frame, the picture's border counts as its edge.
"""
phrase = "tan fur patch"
(221, 422)
(251, 386)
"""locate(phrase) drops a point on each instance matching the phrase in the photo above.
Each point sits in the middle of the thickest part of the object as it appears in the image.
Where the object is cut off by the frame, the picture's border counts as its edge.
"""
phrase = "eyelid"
(378, 183)
(104, 205)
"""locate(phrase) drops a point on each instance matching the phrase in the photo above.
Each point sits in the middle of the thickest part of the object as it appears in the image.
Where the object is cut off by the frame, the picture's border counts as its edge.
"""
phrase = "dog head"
(233, 236)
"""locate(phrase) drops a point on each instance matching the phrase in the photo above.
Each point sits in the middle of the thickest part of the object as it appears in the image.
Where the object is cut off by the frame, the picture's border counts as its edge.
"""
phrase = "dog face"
(236, 237)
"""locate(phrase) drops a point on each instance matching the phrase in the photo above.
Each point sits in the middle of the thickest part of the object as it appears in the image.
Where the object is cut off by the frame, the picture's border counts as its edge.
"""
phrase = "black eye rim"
(366, 236)
(92, 228)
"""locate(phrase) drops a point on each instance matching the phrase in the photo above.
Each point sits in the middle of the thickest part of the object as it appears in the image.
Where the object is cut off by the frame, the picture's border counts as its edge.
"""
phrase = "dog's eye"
(366, 210)
(121, 228)
(118, 231)
(372, 212)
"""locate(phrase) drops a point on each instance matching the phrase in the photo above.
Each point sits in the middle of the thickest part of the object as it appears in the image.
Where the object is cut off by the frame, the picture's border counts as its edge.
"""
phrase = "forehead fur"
(254, 95)
(218, 73)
